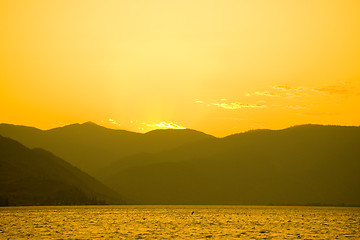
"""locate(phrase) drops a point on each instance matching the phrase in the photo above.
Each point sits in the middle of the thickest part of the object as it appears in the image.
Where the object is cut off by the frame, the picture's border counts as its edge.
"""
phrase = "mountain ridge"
(300, 165)
(84, 144)
(280, 167)
(37, 177)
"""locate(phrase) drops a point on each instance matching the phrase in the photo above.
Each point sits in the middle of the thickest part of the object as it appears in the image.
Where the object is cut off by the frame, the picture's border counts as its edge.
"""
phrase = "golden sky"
(216, 66)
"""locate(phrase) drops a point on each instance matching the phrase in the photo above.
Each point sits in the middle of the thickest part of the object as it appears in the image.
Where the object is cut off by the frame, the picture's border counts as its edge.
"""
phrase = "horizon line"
(117, 129)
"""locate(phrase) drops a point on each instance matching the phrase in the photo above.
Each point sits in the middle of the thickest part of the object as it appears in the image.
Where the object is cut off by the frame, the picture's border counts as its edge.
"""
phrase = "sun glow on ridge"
(168, 125)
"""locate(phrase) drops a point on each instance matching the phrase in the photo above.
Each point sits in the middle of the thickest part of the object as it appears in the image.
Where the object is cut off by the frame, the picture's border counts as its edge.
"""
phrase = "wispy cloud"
(291, 91)
(112, 121)
(281, 91)
(339, 89)
(333, 90)
(237, 105)
(344, 88)
(296, 107)
(164, 125)
(223, 103)
(267, 94)
(319, 114)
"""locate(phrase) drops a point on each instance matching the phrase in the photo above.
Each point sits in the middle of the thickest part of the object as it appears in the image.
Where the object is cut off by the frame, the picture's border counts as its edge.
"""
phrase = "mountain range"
(90, 146)
(37, 177)
(300, 165)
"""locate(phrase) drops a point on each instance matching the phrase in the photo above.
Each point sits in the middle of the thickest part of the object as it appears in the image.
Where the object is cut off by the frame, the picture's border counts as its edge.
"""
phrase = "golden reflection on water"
(179, 222)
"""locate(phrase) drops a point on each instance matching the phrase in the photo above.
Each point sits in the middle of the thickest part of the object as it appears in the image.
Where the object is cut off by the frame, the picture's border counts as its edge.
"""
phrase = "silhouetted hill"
(37, 177)
(92, 147)
(301, 165)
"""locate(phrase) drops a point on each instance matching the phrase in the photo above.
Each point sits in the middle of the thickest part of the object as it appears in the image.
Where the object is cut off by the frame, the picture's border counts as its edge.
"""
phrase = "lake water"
(179, 222)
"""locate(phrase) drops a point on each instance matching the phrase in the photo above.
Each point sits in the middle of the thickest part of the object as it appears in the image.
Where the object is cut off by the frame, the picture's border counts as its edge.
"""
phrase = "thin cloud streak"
(318, 114)
(335, 90)
(267, 94)
(234, 105)
(164, 125)
(290, 91)
(238, 105)
(281, 91)
(112, 121)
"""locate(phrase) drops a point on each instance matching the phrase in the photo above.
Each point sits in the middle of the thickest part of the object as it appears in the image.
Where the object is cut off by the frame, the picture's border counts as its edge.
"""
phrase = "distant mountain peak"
(80, 125)
(89, 123)
(69, 127)
(178, 132)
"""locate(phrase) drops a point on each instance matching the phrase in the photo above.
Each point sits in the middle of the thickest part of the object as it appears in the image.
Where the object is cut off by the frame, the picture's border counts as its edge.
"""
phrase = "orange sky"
(216, 66)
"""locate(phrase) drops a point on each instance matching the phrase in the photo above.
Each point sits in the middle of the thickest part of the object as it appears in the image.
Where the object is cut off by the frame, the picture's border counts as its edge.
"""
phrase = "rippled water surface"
(179, 222)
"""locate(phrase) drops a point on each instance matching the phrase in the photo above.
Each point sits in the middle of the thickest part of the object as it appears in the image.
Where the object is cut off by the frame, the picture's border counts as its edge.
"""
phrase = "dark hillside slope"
(36, 177)
(91, 147)
(301, 165)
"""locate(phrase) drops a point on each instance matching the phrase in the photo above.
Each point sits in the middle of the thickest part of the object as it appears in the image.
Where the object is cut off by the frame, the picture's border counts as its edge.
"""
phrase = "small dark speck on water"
(166, 222)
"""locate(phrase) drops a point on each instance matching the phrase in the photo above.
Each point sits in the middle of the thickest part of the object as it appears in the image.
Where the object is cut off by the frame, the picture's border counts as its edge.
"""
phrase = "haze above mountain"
(37, 177)
(301, 165)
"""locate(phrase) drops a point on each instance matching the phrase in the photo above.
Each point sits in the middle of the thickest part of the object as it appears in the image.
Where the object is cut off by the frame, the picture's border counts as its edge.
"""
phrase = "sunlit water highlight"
(179, 222)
